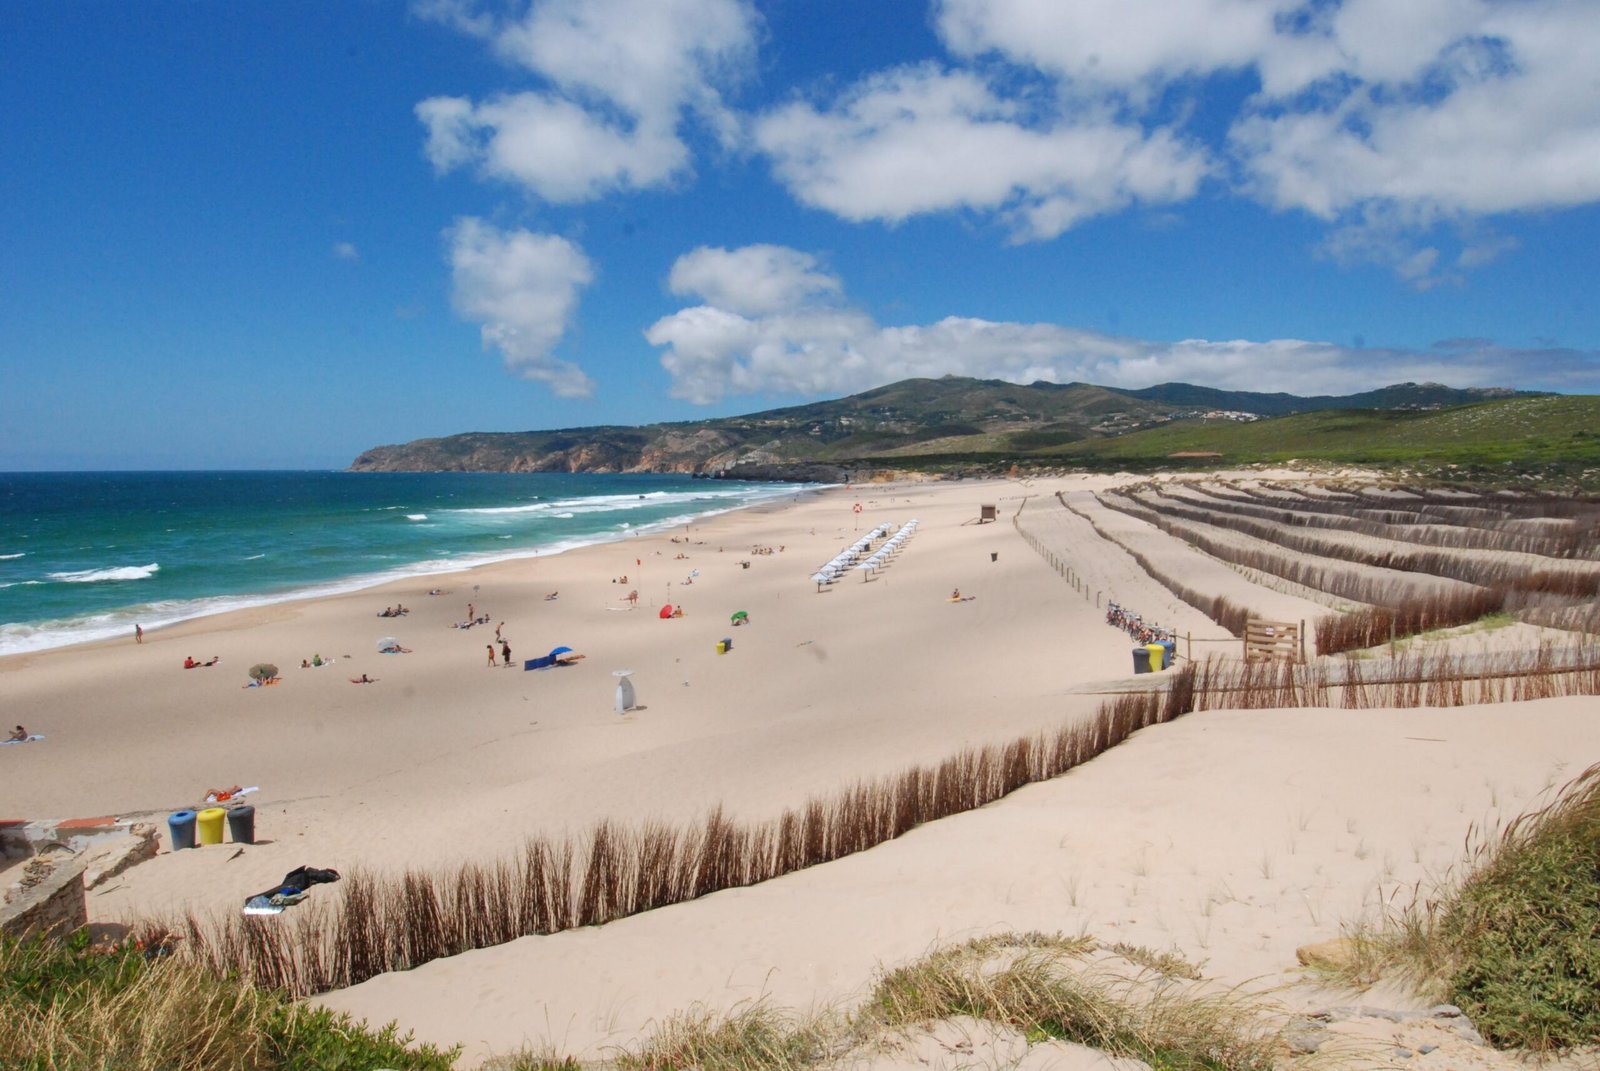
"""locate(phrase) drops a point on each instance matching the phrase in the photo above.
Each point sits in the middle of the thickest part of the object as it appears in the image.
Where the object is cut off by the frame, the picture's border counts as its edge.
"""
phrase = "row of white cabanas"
(849, 555)
(883, 554)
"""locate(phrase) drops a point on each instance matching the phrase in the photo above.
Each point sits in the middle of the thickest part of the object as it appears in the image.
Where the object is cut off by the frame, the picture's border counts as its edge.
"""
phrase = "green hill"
(970, 424)
(1520, 431)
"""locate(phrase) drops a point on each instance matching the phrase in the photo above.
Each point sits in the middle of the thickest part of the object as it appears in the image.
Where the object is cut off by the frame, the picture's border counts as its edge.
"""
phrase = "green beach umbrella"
(740, 615)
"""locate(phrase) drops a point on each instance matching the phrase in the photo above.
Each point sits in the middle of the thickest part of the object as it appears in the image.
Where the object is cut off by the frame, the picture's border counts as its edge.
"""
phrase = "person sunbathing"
(363, 679)
(18, 735)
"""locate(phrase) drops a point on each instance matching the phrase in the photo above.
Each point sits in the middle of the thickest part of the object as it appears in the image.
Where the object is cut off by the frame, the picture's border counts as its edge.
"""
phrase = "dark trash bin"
(1141, 660)
(242, 824)
(181, 825)
(994, 555)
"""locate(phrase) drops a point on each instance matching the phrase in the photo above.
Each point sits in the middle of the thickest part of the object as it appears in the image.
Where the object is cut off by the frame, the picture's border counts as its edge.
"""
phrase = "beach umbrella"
(554, 651)
(263, 671)
(738, 616)
(666, 611)
(388, 642)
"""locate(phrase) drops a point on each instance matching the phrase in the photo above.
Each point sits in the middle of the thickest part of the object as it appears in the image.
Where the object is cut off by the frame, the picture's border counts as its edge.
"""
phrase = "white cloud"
(554, 148)
(917, 140)
(752, 280)
(816, 348)
(346, 251)
(1458, 107)
(622, 76)
(523, 289)
(1116, 43)
(644, 57)
(1441, 112)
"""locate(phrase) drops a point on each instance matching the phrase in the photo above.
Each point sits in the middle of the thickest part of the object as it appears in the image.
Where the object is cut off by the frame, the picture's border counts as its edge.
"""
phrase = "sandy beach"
(1229, 836)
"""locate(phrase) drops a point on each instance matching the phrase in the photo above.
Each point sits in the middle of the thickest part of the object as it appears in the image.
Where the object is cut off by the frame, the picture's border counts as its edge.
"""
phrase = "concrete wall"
(55, 906)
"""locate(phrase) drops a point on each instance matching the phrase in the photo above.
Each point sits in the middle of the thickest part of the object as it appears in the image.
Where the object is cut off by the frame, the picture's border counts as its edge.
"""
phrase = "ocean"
(86, 555)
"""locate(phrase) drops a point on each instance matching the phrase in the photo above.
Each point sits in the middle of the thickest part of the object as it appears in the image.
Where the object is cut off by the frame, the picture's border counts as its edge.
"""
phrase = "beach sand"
(1229, 836)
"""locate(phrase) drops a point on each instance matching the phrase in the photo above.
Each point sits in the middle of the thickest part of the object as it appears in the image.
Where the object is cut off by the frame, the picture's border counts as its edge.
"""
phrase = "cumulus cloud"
(1113, 43)
(916, 140)
(1439, 112)
(621, 77)
(523, 289)
(552, 147)
(346, 251)
(816, 345)
(753, 280)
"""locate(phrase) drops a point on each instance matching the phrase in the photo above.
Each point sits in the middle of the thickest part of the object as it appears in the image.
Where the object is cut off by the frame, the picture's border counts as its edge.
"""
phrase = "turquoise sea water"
(83, 556)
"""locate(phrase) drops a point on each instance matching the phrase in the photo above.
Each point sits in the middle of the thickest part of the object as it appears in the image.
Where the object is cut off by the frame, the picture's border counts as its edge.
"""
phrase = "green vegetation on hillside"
(1512, 431)
(955, 422)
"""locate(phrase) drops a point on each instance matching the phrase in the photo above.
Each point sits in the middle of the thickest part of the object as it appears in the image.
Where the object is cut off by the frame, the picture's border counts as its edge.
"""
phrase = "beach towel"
(29, 740)
(219, 795)
(539, 663)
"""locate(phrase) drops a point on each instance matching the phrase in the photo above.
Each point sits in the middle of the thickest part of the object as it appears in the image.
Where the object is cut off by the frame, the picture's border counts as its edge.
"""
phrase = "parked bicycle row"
(1136, 626)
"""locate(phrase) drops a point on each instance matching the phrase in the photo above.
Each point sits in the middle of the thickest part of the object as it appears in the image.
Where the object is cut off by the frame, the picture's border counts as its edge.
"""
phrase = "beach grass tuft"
(1515, 942)
(1040, 986)
(71, 1006)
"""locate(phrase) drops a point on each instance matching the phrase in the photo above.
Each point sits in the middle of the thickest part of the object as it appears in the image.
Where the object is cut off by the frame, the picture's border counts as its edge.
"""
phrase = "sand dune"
(1229, 836)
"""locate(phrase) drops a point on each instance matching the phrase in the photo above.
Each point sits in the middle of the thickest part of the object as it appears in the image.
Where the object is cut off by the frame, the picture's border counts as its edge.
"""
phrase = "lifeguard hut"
(987, 513)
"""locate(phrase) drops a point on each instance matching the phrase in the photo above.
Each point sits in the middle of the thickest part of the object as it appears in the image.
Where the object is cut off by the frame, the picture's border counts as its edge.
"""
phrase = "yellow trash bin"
(1157, 653)
(211, 825)
(722, 648)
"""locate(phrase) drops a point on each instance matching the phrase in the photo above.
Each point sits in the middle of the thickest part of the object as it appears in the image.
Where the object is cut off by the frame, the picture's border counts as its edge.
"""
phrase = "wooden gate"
(1267, 641)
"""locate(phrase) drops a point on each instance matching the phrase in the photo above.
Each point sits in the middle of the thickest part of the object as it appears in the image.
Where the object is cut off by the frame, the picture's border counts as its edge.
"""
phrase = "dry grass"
(1042, 987)
(1230, 615)
(1414, 679)
(70, 1006)
(170, 1014)
(1445, 563)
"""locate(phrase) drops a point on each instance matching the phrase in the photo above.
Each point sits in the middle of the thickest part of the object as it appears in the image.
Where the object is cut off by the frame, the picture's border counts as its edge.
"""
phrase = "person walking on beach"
(505, 653)
(497, 629)
(491, 654)
(138, 634)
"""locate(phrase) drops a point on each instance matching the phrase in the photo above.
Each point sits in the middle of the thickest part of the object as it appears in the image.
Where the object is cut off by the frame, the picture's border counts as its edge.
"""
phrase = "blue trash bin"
(1172, 653)
(181, 824)
(1141, 660)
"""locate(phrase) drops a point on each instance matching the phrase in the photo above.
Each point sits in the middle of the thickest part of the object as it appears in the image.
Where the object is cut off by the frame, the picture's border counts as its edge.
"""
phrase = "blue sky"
(272, 235)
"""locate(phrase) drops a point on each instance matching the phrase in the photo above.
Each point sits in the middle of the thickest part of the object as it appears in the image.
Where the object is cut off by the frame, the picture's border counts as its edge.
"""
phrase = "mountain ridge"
(882, 427)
